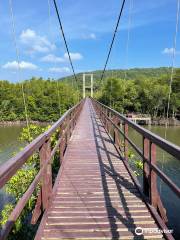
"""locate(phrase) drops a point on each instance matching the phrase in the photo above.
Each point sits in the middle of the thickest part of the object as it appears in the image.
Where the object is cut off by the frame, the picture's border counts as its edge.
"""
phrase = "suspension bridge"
(95, 195)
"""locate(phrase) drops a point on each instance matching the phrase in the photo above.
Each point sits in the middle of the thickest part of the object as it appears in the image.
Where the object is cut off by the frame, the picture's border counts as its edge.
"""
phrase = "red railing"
(114, 122)
(42, 145)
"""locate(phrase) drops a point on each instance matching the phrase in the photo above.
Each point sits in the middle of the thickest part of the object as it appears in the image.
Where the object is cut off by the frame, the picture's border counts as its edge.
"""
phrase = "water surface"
(9, 145)
(9, 141)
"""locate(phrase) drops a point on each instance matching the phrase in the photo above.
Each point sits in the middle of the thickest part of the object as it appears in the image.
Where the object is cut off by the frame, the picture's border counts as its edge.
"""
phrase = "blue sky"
(88, 26)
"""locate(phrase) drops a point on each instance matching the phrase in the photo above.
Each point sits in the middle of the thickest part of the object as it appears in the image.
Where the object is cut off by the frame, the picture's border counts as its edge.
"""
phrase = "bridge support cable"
(54, 62)
(171, 80)
(19, 66)
(112, 42)
(128, 36)
(127, 49)
(64, 38)
(173, 56)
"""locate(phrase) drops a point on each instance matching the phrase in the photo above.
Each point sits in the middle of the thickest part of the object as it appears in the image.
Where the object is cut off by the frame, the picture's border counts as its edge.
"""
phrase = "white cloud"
(35, 42)
(60, 69)
(65, 58)
(38, 48)
(74, 56)
(27, 35)
(89, 36)
(92, 36)
(52, 58)
(23, 65)
(170, 51)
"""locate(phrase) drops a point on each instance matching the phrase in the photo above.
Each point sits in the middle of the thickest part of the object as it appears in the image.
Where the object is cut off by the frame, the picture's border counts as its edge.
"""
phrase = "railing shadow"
(109, 171)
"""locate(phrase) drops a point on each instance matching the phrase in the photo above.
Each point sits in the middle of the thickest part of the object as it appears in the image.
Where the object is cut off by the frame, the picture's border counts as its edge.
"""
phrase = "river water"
(9, 144)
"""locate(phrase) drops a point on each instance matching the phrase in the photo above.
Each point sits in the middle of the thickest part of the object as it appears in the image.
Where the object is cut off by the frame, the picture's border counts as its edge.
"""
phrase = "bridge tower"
(87, 86)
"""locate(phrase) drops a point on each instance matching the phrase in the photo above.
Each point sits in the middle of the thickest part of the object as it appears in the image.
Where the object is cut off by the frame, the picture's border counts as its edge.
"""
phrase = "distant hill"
(134, 74)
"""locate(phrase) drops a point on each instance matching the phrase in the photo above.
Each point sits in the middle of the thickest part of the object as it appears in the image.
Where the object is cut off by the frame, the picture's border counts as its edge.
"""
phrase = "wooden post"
(67, 134)
(116, 132)
(153, 177)
(107, 126)
(154, 194)
(125, 141)
(145, 166)
(45, 152)
(37, 210)
(74, 120)
(104, 119)
(70, 126)
(99, 113)
(106, 111)
(114, 135)
(61, 148)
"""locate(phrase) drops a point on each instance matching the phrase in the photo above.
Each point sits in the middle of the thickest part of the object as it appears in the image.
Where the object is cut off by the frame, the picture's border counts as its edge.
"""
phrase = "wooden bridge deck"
(94, 196)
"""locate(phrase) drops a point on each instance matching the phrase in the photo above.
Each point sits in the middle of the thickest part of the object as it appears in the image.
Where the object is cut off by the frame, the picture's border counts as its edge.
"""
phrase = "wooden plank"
(96, 235)
(140, 219)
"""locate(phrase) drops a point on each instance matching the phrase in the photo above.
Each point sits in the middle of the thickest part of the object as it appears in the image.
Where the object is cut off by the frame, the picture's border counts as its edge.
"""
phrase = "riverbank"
(155, 122)
(163, 121)
(23, 123)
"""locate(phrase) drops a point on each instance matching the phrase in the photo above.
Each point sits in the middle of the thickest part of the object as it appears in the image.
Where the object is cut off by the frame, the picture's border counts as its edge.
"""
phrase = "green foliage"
(5, 213)
(43, 98)
(33, 131)
(146, 95)
(20, 182)
(139, 164)
(142, 90)
(135, 163)
(131, 74)
(120, 94)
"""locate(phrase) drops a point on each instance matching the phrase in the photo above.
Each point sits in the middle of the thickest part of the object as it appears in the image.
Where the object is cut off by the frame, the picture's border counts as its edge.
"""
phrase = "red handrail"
(41, 145)
(112, 121)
